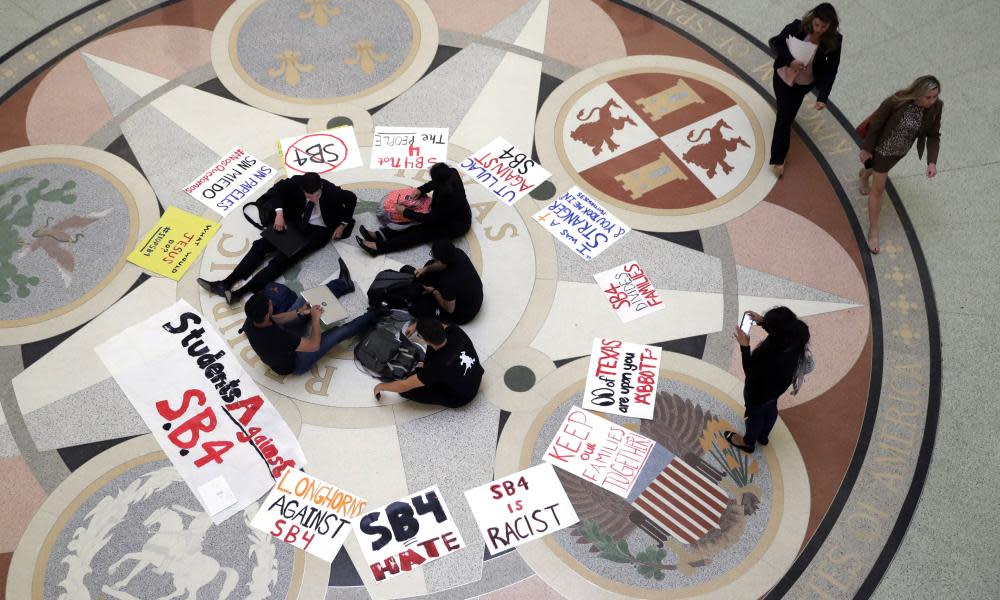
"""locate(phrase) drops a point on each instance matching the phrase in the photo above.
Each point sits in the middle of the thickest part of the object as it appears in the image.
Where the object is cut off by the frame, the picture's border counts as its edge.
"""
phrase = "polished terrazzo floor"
(110, 109)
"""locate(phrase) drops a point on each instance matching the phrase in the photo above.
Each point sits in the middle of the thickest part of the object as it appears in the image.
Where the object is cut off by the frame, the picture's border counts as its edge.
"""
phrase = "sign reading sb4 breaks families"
(521, 507)
(629, 291)
(581, 224)
(174, 243)
(206, 412)
(622, 378)
(407, 533)
(233, 179)
(505, 170)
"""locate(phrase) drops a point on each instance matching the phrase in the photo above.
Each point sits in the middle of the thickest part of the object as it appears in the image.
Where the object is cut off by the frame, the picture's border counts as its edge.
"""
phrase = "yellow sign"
(175, 243)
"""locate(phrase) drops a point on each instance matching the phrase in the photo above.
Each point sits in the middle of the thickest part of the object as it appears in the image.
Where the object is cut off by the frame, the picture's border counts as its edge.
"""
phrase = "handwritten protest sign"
(233, 179)
(174, 243)
(505, 170)
(408, 147)
(323, 152)
(407, 533)
(581, 224)
(309, 514)
(599, 451)
(622, 378)
(521, 507)
(629, 291)
(205, 411)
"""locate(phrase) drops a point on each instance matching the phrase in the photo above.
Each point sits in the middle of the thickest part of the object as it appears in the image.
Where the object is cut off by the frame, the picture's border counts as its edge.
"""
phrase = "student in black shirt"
(451, 373)
(449, 217)
(453, 291)
(773, 366)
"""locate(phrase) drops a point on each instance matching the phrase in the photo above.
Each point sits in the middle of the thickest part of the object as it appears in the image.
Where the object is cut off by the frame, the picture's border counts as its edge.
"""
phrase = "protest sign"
(174, 243)
(581, 224)
(629, 291)
(407, 533)
(323, 152)
(205, 411)
(622, 378)
(521, 507)
(233, 179)
(408, 147)
(505, 170)
(599, 451)
(309, 514)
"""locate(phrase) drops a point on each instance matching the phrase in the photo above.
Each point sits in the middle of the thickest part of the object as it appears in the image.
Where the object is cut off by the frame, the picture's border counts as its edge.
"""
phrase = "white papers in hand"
(801, 50)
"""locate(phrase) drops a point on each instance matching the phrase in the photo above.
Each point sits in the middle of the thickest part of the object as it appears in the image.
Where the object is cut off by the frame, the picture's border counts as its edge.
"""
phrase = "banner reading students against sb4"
(206, 412)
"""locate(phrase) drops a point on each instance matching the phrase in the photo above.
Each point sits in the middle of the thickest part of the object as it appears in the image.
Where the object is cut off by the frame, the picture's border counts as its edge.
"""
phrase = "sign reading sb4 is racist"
(622, 378)
(407, 533)
(581, 224)
(521, 507)
(322, 152)
(505, 170)
(629, 291)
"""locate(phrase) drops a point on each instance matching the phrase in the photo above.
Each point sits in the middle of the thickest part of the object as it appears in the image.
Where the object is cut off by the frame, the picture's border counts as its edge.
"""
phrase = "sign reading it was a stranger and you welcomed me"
(323, 152)
(235, 178)
(209, 417)
(581, 224)
(505, 170)
(173, 244)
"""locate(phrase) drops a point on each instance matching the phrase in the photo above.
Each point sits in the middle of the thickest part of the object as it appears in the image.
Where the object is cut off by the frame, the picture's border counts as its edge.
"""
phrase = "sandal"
(863, 186)
(729, 438)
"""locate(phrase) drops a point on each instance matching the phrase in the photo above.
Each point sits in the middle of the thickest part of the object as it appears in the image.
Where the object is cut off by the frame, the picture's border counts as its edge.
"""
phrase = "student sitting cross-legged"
(452, 289)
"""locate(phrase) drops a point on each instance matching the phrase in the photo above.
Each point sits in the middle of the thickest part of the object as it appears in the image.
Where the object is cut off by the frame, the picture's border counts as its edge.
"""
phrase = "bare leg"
(874, 208)
(864, 183)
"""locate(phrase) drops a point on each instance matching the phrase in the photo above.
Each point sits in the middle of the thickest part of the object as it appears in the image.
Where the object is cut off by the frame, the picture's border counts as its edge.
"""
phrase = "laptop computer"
(288, 242)
(333, 311)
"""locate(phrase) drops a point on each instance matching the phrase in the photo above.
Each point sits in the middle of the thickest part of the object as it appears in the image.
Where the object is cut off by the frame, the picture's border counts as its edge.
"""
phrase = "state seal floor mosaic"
(661, 110)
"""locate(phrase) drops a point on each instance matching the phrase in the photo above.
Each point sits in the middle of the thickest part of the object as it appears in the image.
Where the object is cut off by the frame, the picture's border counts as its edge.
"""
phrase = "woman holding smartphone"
(775, 364)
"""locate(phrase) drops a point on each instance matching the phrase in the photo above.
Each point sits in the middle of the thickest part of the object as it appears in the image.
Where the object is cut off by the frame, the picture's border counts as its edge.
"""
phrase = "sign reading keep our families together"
(505, 170)
(622, 378)
(408, 147)
(233, 179)
(581, 224)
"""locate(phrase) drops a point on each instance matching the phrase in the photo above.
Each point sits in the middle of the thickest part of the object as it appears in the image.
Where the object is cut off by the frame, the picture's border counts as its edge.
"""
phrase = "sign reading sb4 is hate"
(407, 533)
(521, 507)
(622, 378)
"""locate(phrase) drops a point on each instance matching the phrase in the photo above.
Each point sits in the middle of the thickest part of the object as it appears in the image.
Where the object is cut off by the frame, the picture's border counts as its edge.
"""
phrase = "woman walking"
(794, 79)
(775, 364)
(911, 114)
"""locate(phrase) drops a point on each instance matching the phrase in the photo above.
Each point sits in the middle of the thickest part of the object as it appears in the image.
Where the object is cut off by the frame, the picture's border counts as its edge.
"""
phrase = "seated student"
(277, 319)
(451, 372)
(449, 217)
(453, 291)
(316, 207)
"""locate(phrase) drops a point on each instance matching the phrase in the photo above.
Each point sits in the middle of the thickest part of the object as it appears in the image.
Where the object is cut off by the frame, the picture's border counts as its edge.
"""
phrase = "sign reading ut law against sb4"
(206, 412)
(407, 533)
(521, 507)
(323, 152)
(233, 179)
(408, 147)
(309, 514)
(629, 291)
(505, 170)
(581, 224)
(622, 378)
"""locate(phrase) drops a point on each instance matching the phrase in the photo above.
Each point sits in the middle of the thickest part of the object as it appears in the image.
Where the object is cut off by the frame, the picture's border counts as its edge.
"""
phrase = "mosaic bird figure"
(51, 239)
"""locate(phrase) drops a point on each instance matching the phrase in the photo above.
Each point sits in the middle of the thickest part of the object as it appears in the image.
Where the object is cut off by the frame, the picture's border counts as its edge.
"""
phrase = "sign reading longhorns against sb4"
(581, 224)
(521, 507)
(323, 152)
(408, 147)
(407, 533)
(622, 378)
(505, 170)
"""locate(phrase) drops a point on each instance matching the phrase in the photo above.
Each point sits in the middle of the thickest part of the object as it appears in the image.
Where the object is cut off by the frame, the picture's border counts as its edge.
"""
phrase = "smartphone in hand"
(746, 324)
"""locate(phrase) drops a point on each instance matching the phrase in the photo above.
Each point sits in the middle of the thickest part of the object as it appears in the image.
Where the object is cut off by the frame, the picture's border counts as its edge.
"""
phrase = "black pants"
(428, 395)
(279, 263)
(787, 99)
(395, 240)
(760, 419)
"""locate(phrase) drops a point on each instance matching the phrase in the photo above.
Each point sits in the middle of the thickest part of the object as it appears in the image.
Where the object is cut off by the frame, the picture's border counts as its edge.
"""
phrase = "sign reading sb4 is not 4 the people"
(309, 513)
(174, 243)
(322, 152)
(402, 535)
(622, 378)
(521, 507)
(408, 147)
(581, 224)
(232, 180)
(505, 170)
(629, 291)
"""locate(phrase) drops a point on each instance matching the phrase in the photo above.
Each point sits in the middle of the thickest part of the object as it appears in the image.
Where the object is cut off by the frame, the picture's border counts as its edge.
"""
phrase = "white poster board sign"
(622, 378)
(581, 224)
(505, 170)
(205, 411)
(629, 291)
(521, 507)
(309, 513)
(402, 535)
(322, 152)
(602, 452)
(408, 147)
(232, 180)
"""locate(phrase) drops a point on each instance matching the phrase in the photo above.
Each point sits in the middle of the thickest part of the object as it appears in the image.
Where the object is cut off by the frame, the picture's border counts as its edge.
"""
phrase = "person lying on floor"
(453, 291)
(278, 320)
(451, 373)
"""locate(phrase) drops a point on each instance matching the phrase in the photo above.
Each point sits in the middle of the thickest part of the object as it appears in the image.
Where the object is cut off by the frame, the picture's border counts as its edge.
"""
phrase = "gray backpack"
(387, 354)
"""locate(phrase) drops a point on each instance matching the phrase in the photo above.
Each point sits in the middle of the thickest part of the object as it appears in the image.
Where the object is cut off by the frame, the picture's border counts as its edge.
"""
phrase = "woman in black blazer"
(819, 26)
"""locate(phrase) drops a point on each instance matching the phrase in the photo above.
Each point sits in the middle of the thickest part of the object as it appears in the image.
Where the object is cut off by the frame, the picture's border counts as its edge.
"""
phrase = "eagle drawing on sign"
(52, 238)
(606, 519)
(712, 154)
(598, 133)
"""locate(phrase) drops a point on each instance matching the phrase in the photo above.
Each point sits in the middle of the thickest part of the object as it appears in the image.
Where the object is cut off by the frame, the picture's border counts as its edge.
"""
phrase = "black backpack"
(394, 289)
(265, 206)
(386, 353)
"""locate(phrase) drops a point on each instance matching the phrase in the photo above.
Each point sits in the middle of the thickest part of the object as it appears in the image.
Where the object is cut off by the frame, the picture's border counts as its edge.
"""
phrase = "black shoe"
(763, 441)
(365, 233)
(232, 297)
(345, 273)
(361, 243)
(213, 287)
(729, 438)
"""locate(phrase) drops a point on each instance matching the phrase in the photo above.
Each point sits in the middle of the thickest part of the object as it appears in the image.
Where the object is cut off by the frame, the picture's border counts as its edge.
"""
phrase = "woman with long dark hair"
(793, 79)
(775, 364)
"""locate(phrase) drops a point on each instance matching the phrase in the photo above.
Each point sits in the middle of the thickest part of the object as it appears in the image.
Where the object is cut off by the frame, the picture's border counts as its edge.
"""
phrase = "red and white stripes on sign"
(683, 502)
